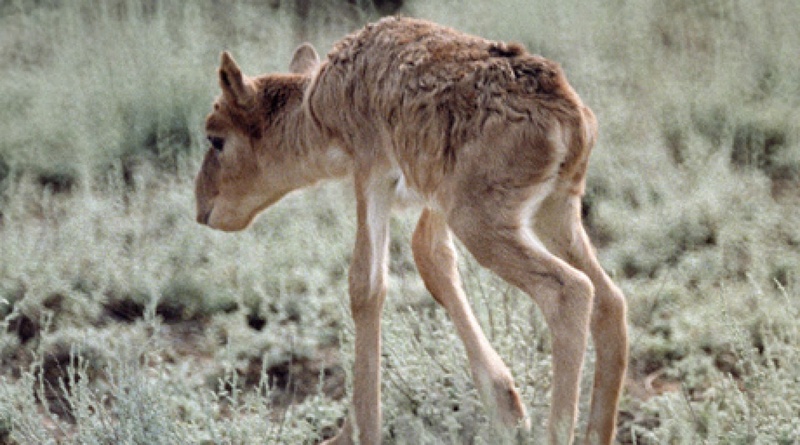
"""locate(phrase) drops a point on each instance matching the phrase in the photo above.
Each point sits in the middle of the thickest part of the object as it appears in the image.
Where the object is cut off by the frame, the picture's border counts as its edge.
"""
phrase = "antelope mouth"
(204, 217)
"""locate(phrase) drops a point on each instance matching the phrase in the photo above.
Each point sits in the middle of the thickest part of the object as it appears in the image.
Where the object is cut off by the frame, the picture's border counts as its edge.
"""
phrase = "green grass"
(123, 321)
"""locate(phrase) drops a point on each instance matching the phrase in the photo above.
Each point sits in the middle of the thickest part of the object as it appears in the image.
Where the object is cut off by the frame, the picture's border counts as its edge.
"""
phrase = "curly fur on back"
(430, 91)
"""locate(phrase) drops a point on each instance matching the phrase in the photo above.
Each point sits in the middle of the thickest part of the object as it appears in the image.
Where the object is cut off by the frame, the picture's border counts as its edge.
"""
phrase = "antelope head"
(254, 143)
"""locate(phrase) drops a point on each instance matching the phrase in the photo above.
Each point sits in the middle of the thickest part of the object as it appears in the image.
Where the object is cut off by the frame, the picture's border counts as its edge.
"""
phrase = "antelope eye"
(216, 142)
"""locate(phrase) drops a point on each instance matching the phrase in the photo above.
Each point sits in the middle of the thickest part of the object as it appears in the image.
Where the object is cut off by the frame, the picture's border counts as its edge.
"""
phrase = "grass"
(123, 321)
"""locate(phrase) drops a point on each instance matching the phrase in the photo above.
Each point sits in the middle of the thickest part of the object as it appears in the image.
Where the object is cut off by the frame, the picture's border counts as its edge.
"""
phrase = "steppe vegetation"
(123, 321)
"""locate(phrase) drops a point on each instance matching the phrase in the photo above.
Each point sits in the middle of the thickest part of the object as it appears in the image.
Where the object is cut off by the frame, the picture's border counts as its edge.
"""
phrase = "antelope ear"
(304, 60)
(233, 83)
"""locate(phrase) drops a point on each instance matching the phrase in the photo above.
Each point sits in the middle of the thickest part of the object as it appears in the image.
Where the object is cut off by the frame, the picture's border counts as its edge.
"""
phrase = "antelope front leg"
(368, 273)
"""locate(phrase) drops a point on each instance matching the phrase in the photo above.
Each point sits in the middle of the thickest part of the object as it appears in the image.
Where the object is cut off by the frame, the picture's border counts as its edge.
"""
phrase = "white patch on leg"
(404, 195)
(379, 205)
(528, 213)
(558, 138)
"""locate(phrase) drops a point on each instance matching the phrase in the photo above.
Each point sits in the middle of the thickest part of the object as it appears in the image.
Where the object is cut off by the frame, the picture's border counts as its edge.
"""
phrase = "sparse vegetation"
(123, 321)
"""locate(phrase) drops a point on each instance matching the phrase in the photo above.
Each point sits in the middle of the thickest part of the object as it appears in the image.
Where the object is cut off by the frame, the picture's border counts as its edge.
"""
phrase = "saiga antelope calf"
(492, 141)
